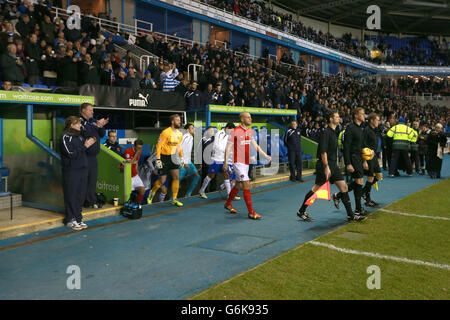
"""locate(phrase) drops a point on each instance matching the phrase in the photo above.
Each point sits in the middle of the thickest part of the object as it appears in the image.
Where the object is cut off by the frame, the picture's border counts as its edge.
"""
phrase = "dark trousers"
(74, 189)
(91, 183)
(295, 164)
(435, 165)
(396, 156)
(422, 161)
(386, 158)
(415, 160)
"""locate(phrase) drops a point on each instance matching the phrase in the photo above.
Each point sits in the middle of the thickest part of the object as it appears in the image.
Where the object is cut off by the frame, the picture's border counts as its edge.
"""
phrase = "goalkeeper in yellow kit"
(169, 144)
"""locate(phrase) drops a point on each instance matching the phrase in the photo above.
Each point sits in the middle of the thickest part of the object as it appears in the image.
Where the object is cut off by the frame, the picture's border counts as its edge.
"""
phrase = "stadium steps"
(262, 181)
(5, 201)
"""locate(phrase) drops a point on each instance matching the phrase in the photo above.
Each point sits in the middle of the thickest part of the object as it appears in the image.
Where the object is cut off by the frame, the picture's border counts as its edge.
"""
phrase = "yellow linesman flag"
(375, 185)
(322, 193)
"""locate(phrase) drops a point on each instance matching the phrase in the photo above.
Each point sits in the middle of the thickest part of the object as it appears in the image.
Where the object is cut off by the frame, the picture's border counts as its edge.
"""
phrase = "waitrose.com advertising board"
(114, 176)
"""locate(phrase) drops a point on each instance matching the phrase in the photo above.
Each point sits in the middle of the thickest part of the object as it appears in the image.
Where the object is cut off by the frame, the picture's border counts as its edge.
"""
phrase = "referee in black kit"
(327, 169)
(371, 141)
(292, 140)
(354, 163)
(95, 129)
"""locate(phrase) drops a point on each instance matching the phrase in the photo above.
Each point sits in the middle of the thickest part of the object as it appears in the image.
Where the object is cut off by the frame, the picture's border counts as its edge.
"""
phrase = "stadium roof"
(399, 16)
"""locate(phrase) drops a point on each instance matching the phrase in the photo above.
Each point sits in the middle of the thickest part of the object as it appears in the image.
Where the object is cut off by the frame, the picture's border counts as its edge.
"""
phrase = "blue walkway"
(172, 253)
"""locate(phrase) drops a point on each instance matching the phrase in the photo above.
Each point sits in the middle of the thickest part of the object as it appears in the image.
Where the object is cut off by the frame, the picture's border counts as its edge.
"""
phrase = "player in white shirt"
(218, 156)
(189, 168)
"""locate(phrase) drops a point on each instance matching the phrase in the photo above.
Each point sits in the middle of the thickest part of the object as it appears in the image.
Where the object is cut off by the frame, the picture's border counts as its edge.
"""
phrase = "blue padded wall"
(179, 24)
(153, 14)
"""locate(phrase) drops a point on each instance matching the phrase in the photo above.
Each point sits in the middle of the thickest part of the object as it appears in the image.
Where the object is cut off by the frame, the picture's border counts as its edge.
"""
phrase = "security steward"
(371, 141)
(401, 136)
(354, 163)
(292, 140)
(91, 128)
(74, 163)
(112, 144)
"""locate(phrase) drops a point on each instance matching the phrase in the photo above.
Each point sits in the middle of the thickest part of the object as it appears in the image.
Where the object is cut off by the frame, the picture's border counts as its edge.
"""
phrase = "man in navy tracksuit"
(91, 128)
(292, 140)
(74, 165)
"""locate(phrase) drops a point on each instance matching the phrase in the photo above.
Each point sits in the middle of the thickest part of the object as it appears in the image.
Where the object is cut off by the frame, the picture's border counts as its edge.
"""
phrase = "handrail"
(108, 23)
(30, 134)
(189, 5)
(119, 48)
(223, 42)
(144, 61)
(194, 71)
(198, 7)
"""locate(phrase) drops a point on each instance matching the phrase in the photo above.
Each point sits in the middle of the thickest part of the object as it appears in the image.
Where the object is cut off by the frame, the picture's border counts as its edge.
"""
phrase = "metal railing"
(195, 67)
(224, 44)
(123, 50)
(107, 24)
(144, 61)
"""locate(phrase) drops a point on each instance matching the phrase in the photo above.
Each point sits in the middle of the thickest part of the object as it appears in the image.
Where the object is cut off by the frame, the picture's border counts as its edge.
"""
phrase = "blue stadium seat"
(42, 86)
(25, 85)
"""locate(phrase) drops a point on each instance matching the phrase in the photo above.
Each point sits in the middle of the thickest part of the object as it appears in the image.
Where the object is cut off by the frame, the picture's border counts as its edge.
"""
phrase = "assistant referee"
(327, 169)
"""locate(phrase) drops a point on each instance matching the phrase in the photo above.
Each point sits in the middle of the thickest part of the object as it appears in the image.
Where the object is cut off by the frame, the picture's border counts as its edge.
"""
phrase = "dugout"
(31, 124)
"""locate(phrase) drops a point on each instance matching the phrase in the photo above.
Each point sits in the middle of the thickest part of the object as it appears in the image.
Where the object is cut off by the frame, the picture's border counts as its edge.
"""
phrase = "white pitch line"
(415, 215)
(381, 256)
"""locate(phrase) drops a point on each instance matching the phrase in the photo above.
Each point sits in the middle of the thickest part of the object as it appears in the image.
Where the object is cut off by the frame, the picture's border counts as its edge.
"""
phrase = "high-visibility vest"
(414, 144)
(402, 136)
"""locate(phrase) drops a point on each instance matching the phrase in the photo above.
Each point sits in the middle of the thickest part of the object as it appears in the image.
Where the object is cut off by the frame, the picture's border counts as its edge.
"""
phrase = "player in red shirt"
(133, 155)
(240, 140)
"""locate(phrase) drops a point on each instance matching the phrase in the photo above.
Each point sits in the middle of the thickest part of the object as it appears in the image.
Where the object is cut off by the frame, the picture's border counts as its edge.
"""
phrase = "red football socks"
(248, 200)
(140, 198)
(232, 195)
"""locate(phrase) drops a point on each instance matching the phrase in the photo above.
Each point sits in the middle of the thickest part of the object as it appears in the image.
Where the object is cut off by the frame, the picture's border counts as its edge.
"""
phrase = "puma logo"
(142, 97)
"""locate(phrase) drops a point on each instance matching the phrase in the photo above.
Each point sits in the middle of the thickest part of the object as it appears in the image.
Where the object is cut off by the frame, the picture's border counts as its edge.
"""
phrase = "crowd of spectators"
(261, 12)
(413, 54)
(228, 79)
(431, 85)
(36, 45)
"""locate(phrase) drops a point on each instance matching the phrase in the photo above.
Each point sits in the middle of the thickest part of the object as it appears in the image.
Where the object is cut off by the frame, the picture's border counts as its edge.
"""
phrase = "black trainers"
(362, 212)
(356, 217)
(371, 203)
(336, 200)
(304, 216)
(364, 196)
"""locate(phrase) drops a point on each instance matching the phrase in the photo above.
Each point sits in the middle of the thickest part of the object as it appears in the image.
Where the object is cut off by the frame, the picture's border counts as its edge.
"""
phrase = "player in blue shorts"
(218, 156)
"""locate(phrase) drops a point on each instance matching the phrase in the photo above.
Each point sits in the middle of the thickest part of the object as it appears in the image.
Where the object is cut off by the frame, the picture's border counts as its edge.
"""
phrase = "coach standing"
(91, 129)
(292, 140)
(74, 171)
